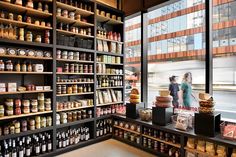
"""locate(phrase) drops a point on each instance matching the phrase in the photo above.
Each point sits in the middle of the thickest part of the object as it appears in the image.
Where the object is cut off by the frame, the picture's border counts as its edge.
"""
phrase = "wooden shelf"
(112, 103)
(75, 123)
(129, 130)
(82, 12)
(71, 109)
(109, 40)
(63, 73)
(26, 57)
(74, 22)
(77, 61)
(111, 63)
(108, 20)
(75, 94)
(25, 92)
(24, 115)
(110, 74)
(24, 24)
(74, 48)
(23, 9)
(109, 87)
(198, 152)
(71, 83)
(76, 34)
(25, 133)
(163, 141)
(110, 53)
(30, 73)
(25, 43)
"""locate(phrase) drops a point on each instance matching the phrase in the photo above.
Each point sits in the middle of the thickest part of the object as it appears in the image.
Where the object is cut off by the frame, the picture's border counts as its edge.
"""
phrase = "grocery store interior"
(120, 78)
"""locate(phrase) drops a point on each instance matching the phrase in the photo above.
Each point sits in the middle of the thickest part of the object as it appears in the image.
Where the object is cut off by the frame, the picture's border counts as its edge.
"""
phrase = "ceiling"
(133, 6)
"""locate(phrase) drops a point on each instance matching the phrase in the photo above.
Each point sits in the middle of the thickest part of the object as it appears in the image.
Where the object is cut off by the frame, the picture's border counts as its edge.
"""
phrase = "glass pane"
(181, 51)
(224, 59)
(132, 54)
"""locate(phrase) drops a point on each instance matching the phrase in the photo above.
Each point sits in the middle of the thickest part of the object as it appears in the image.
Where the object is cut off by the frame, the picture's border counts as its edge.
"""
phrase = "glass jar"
(38, 39)
(30, 4)
(18, 67)
(23, 67)
(29, 36)
(1, 111)
(9, 65)
(2, 65)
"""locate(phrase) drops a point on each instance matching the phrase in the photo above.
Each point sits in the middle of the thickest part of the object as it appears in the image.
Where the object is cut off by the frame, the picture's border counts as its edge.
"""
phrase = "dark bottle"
(1, 151)
(37, 147)
(6, 151)
(49, 144)
(14, 151)
(27, 149)
(20, 150)
(10, 147)
(43, 150)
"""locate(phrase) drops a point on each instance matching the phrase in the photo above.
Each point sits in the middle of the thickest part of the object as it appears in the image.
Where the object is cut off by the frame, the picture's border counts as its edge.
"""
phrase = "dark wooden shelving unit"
(50, 74)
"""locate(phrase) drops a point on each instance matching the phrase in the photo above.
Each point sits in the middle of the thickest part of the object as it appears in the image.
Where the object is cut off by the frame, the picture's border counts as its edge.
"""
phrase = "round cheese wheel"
(164, 98)
(134, 96)
(134, 101)
(163, 104)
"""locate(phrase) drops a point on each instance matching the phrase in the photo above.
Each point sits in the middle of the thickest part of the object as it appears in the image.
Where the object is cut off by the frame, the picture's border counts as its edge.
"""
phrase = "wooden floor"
(109, 148)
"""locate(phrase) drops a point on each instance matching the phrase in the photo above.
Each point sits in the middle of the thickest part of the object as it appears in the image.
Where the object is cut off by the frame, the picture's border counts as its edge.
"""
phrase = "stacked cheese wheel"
(164, 100)
(134, 96)
(206, 103)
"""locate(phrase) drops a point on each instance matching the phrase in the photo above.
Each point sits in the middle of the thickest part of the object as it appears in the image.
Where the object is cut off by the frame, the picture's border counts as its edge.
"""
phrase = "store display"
(12, 87)
(134, 96)
(106, 110)
(228, 130)
(109, 59)
(72, 137)
(145, 114)
(109, 81)
(74, 104)
(68, 89)
(76, 68)
(108, 96)
(206, 103)
(103, 127)
(164, 100)
(105, 69)
(75, 80)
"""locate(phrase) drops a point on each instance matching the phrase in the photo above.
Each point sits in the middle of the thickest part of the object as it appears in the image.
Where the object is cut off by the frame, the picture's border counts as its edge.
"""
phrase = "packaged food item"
(210, 148)
(30, 4)
(201, 145)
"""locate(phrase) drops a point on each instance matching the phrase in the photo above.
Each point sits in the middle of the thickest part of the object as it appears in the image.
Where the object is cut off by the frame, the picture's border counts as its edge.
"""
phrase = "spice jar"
(48, 104)
(49, 121)
(28, 20)
(1, 111)
(26, 106)
(30, 4)
(9, 65)
(40, 6)
(23, 125)
(29, 36)
(2, 65)
(18, 2)
(41, 107)
(38, 39)
(12, 129)
(34, 105)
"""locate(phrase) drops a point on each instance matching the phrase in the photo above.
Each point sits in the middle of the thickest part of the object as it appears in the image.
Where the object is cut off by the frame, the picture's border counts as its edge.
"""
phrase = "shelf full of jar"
(116, 87)
(74, 34)
(22, 9)
(75, 94)
(112, 103)
(29, 73)
(78, 10)
(24, 115)
(25, 92)
(76, 108)
(24, 24)
(129, 130)
(108, 20)
(25, 57)
(74, 22)
(76, 61)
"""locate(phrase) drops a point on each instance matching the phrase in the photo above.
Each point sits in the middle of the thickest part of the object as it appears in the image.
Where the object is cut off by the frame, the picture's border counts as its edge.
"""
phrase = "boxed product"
(38, 67)
(2, 87)
(11, 87)
(46, 87)
(39, 88)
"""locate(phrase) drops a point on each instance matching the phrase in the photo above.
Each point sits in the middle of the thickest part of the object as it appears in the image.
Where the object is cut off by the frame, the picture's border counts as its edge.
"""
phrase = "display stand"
(161, 116)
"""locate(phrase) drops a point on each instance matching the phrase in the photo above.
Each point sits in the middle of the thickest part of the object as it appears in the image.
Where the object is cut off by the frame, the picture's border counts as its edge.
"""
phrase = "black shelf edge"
(171, 129)
(73, 147)
(74, 48)
(139, 146)
(110, 53)
(104, 117)
(104, 137)
(26, 133)
(25, 43)
(75, 123)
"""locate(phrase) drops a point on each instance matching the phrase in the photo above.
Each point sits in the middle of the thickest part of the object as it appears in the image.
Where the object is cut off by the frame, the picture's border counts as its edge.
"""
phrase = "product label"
(28, 152)
(37, 150)
(44, 148)
(49, 146)
(21, 154)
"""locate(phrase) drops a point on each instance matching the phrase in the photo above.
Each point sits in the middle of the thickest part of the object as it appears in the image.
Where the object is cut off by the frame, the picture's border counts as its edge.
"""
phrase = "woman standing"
(186, 88)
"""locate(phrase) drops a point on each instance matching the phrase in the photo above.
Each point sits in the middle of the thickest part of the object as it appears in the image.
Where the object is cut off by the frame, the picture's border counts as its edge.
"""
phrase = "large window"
(175, 47)
(224, 58)
(132, 54)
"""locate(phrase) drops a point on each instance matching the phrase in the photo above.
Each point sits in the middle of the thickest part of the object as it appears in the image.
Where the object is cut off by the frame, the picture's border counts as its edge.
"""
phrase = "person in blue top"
(186, 88)
(174, 89)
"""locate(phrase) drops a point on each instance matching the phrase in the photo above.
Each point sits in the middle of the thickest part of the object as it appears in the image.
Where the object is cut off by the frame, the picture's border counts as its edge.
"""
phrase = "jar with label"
(23, 125)
(30, 4)
(18, 67)
(65, 13)
(49, 121)
(18, 2)
(2, 65)
(23, 67)
(38, 39)
(63, 89)
(34, 105)
(32, 124)
(1, 111)
(58, 11)
(41, 106)
(37, 122)
(46, 8)
(85, 68)
(40, 6)
(69, 90)
(72, 68)
(10, 16)
(41, 96)
(74, 89)
(29, 36)
(9, 65)
(28, 20)
(21, 34)
(48, 104)
(26, 106)
(43, 122)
